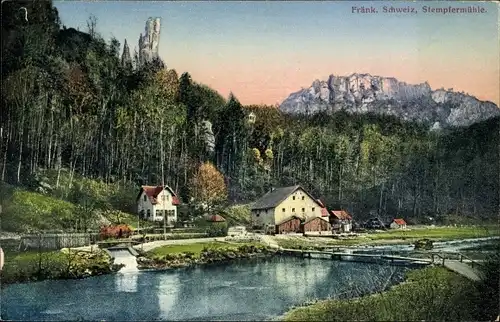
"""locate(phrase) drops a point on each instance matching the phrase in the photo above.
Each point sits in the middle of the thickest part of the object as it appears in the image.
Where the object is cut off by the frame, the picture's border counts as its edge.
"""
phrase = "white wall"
(393, 225)
(145, 205)
(162, 204)
(263, 217)
(294, 204)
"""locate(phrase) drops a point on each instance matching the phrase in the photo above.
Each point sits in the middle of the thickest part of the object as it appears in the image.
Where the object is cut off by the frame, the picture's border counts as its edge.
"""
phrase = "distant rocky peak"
(126, 60)
(149, 42)
(364, 93)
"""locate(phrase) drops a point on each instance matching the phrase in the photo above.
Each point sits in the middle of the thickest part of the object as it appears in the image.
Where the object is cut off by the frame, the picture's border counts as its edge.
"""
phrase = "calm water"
(245, 290)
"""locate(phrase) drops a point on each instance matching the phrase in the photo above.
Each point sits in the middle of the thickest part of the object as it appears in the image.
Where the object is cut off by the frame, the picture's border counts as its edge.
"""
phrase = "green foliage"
(109, 124)
(36, 266)
(429, 294)
(238, 215)
(28, 212)
(217, 229)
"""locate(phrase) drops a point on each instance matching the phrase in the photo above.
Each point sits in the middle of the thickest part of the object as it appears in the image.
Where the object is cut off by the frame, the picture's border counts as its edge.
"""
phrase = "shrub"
(217, 229)
(119, 231)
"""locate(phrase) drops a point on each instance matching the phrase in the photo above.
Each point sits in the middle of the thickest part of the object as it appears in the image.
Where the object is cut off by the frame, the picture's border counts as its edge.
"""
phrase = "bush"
(33, 266)
(217, 229)
(119, 231)
(425, 244)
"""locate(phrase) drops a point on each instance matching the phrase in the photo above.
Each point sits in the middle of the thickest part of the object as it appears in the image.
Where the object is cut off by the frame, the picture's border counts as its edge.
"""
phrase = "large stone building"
(279, 205)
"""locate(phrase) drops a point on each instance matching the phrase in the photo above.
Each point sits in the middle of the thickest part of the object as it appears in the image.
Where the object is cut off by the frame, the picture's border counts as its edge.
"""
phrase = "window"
(293, 209)
(257, 215)
(313, 209)
(303, 197)
(303, 209)
(293, 197)
(145, 197)
(148, 213)
(283, 209)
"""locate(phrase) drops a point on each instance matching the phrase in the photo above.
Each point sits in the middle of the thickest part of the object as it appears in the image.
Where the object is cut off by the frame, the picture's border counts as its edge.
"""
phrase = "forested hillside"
(69, 106)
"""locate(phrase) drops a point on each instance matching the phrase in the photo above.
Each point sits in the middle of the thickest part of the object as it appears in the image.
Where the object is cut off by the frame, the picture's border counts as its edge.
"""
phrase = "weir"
(125, 256)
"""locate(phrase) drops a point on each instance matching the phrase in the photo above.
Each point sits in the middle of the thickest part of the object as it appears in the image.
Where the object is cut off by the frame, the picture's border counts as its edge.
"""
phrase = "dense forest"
(70, 106)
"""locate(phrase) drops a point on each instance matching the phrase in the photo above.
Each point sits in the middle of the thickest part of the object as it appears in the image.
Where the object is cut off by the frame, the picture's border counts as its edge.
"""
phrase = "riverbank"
(389, 237)
(178, 256)
(430, 294)
(64, 264)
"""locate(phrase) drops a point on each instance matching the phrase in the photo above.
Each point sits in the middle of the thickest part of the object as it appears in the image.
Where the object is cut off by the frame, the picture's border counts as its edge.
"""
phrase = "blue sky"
(264, 50)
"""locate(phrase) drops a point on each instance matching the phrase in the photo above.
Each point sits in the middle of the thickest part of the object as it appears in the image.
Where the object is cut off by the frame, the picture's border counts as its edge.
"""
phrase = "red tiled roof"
(400, 221)
(216, 218)
(153, 191)
(341, 214)
(324, 212)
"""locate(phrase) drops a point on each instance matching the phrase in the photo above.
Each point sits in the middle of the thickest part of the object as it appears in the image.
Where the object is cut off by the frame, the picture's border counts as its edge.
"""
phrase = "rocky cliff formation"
(364, 93)
(149, 42)
(126, 61)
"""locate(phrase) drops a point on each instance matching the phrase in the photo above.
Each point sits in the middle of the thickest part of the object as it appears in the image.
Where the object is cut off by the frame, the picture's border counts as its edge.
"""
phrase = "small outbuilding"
(398, 223)
(216, 218)
(316, 224)
(341, 221)
(289, 225)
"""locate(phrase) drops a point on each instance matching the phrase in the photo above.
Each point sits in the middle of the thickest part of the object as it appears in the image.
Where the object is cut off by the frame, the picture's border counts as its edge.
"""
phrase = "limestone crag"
(126, 61)
(149, 42)
(364, 93)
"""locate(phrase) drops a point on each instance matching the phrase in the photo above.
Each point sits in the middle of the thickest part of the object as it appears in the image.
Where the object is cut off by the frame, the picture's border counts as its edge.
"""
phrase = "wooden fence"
(57, 241)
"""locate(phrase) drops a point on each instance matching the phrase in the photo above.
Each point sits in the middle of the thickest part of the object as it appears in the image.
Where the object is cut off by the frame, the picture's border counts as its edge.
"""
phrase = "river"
(253, 289)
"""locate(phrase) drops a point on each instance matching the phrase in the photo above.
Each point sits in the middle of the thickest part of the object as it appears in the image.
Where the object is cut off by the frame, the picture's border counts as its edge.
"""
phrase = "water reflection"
(246, 290)
(167, 292)
(126, 282)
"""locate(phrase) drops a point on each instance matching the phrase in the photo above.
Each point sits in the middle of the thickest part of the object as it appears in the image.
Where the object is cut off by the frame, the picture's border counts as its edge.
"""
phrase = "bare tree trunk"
(4, 166)
(59, 161)
(340, 182)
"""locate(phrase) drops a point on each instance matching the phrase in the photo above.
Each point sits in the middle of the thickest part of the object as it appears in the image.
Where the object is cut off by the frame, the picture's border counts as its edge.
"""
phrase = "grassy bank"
(431, 294)
(438, 233)
(37, 266)
(196, 249)
(174, 256)
(392, 237)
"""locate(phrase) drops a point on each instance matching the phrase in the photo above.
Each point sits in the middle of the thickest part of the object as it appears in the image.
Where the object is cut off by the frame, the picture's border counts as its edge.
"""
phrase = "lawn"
(194, 248)
(431, 294)
(16, 258)
(438, 233)
(396, 237)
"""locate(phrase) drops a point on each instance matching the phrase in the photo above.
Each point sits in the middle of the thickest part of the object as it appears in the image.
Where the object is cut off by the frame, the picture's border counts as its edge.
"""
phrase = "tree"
(208, 188)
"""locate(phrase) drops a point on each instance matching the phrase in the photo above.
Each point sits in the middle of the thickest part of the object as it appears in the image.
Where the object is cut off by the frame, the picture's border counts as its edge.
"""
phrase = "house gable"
(298, 203)
(274, 198)
(399, 222)
(154, 193)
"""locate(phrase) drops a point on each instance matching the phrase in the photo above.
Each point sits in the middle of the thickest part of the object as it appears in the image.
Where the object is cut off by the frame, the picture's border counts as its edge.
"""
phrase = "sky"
(262, 51)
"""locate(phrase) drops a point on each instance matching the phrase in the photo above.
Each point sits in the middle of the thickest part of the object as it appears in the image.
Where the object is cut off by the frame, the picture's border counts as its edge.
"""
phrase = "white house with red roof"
(155, 201)
(341, 221)
(398, 223)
